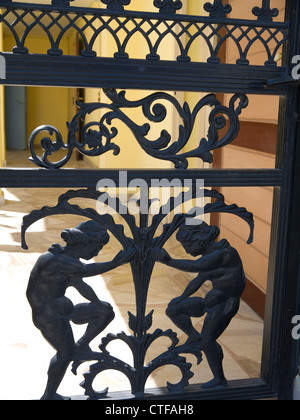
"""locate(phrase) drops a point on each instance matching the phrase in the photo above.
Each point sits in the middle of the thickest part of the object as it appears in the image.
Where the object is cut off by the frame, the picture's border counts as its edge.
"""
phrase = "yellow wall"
(44, 107)
(47, 105)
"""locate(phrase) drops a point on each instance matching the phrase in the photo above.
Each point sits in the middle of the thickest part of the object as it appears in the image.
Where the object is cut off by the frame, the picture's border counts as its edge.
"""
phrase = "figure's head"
(195, 238)
(88, 237)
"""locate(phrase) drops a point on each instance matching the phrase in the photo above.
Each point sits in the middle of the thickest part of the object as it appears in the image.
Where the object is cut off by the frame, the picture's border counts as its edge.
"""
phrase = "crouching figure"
(221, 265)
(55, 271)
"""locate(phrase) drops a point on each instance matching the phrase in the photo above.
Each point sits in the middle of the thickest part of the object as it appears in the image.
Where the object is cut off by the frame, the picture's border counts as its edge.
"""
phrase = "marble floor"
(25, 355)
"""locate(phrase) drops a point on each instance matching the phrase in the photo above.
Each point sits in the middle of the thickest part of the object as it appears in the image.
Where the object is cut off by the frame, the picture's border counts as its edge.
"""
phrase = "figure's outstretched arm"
(76, 268)
(123, 257)
(205, 264)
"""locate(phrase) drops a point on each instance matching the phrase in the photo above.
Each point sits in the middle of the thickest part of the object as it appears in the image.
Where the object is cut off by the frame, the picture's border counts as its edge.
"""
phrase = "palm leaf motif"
(146, 324)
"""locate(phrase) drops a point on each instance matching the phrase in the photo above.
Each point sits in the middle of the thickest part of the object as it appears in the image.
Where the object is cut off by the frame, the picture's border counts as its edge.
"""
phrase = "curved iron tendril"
(97, 136)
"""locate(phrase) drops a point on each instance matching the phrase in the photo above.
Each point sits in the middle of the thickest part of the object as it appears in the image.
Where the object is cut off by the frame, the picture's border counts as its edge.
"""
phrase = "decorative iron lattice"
(56, 22)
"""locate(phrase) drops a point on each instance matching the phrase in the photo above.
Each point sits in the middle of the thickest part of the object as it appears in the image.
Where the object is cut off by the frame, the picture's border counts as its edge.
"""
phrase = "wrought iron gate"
(143, 248)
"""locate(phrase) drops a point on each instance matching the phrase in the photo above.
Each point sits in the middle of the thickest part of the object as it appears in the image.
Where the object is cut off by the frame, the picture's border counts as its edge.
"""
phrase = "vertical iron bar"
(278, 363)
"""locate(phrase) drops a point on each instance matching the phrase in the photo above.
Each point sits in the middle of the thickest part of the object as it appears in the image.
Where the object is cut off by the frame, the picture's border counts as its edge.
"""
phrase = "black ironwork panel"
(55, 22)
(209, 258)
(153, 70)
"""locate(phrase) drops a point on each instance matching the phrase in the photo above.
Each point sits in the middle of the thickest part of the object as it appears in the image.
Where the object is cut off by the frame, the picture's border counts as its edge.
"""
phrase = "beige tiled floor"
(25, 354)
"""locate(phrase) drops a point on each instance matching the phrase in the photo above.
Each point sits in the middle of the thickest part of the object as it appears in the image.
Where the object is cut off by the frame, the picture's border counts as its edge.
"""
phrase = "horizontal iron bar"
(243, 389)
(139, 14)
(72, 178)
(287, 81)
(68, 71)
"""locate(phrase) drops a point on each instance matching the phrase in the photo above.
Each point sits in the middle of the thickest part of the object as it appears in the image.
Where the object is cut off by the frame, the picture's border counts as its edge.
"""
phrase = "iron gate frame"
(280, 355)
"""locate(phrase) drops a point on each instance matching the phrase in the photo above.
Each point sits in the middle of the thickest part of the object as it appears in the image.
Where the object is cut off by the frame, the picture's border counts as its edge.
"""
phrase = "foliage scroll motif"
(148, 246)
(97, 136)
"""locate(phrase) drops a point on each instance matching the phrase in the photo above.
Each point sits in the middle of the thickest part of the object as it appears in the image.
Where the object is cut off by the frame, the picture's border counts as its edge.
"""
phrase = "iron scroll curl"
(97, 136)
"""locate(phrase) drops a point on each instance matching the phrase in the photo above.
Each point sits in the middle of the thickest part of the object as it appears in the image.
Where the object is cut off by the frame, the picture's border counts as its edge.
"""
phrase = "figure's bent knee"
(172, 310)
(232, 307)
(111, 314)
(63, 356)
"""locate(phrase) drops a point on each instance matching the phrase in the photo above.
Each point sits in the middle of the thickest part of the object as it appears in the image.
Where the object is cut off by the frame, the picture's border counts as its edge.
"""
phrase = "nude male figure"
(55, 271)
(219, 263)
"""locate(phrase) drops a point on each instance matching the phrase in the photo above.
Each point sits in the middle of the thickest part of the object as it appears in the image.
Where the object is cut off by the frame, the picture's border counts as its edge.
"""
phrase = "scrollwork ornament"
(137, 374)
(163, 147)
(99, 140)
(49, 146)
(96, 136)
